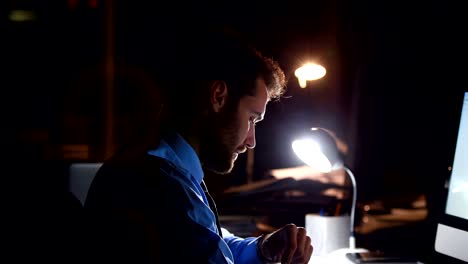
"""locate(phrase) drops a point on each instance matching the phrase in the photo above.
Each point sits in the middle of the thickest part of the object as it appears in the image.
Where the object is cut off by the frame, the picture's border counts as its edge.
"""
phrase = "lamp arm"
(352, 241)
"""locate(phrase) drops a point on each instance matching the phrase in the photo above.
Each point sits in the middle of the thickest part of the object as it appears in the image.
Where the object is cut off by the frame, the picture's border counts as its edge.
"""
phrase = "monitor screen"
(452, 229)
(80, 177)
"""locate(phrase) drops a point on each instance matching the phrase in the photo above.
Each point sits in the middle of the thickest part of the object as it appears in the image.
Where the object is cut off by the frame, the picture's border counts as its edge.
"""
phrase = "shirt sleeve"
(244, 250)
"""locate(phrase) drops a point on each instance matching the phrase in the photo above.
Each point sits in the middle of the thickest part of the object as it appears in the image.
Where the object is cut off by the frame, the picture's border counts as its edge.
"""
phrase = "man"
(150, 199)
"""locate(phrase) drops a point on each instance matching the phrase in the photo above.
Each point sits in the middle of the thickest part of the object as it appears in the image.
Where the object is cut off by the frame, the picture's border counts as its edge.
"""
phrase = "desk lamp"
(318, 149)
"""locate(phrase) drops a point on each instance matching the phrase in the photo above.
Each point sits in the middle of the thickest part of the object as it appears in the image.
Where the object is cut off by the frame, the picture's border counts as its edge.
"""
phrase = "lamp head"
(318, 149)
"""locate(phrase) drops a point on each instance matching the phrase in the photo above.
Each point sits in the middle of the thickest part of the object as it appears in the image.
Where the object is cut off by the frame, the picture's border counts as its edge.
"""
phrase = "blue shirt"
(174, 149)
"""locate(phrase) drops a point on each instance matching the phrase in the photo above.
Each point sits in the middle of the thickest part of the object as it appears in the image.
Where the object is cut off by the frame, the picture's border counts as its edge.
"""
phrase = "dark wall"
(392, 67)
(407, 69)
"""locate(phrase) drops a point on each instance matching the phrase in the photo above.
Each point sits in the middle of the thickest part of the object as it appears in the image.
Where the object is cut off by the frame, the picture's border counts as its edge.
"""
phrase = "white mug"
(327, 233)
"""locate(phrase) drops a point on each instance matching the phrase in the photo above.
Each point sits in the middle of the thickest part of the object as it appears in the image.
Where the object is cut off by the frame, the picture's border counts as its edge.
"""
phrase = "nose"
(250, 140)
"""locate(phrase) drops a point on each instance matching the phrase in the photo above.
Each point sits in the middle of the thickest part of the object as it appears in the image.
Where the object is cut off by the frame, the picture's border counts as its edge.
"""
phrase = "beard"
(220, 142)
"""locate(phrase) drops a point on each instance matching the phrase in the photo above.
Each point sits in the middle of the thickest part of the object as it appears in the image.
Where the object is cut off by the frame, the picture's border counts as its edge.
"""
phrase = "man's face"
(231, 131)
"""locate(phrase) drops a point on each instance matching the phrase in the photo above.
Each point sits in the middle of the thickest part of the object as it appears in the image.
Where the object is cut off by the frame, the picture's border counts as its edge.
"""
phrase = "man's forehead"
(259, 101)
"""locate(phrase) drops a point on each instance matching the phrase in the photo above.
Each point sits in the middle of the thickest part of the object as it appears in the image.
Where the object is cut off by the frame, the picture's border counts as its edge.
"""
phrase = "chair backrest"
(80, 177)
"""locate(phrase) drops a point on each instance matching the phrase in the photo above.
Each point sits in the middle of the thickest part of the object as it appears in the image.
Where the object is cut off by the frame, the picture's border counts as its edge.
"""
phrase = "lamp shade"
(318, 149)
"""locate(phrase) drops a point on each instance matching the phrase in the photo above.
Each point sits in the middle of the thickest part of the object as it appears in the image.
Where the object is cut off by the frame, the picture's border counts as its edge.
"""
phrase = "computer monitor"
(451, 239)
(80, 178)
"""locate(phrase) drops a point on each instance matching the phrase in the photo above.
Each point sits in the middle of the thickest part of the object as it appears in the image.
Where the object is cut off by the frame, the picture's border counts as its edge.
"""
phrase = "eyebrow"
(259, 116)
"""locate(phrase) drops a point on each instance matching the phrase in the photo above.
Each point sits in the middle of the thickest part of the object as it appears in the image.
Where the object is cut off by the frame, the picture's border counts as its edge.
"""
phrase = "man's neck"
(189, 130)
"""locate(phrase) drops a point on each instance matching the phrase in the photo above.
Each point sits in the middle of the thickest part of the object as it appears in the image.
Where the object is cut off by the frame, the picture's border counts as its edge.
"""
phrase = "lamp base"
(337, 256)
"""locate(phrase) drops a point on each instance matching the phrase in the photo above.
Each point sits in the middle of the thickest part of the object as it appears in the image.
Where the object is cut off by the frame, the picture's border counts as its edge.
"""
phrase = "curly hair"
(274, 78)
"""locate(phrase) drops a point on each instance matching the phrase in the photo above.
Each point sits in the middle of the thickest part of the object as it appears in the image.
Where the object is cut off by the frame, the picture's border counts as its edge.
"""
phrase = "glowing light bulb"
(309, 72)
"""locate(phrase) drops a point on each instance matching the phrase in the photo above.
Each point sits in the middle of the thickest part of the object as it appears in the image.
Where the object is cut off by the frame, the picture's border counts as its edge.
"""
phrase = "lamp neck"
(353, 206)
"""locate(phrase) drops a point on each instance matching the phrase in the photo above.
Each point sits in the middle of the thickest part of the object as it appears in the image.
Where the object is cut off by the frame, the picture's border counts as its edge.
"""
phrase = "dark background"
(393, 71)
(393, 68)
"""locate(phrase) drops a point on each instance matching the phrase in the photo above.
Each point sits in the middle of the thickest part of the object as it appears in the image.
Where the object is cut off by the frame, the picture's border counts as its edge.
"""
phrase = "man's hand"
(289, 244)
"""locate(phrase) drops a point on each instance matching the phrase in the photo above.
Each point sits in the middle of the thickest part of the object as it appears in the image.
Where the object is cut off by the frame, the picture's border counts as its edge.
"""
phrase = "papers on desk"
(396, 217)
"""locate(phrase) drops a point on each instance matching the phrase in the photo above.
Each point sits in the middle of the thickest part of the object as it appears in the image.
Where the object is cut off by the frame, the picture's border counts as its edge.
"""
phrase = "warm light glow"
(309, 72)
(299, 172)
(310, 153)
(21, 15)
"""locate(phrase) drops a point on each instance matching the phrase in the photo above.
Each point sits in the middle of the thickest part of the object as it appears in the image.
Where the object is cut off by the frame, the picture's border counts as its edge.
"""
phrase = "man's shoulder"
(121, 180)
(139, 169)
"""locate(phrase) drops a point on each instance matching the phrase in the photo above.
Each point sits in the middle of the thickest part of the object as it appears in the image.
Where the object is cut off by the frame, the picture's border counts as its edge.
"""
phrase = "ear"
(218, 95)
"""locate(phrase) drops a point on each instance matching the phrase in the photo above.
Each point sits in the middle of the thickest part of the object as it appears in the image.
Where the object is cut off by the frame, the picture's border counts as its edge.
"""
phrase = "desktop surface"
(329, 260)
(340, 257)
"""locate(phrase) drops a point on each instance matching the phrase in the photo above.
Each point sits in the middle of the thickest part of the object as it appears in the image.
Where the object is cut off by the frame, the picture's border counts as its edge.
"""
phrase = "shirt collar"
(174, 148)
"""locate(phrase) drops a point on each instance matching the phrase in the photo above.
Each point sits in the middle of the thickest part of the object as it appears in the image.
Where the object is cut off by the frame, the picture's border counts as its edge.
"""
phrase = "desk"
(335, 257)
(344, 260)
(339, 257)
(330, 260)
